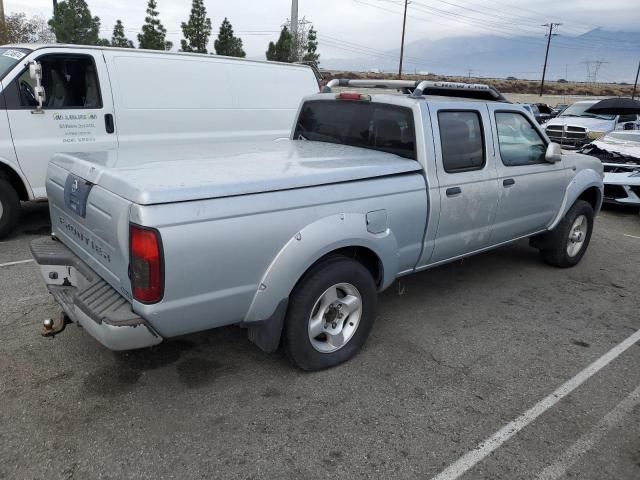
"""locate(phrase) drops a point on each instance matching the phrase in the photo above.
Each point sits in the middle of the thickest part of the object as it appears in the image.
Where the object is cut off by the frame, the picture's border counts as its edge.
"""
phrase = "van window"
(520, 143)
(360, 124)
(9, 57)
(70, 81)
(462, 140)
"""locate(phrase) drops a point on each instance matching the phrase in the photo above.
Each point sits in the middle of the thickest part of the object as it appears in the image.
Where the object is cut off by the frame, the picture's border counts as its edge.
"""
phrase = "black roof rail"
(418, 88)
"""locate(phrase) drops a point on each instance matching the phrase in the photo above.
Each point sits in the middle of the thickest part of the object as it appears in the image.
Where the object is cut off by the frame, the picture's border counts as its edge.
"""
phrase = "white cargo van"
(68, 98)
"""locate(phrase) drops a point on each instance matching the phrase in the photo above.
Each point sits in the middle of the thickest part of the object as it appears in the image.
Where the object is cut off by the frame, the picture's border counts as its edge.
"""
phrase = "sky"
(351, 28)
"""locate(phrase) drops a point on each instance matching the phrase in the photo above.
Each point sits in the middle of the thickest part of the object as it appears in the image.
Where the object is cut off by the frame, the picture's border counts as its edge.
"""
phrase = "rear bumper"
(89, 300)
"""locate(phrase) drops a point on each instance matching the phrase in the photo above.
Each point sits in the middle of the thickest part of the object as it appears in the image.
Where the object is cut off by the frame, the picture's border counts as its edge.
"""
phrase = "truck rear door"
(77, 114)
(467, 178)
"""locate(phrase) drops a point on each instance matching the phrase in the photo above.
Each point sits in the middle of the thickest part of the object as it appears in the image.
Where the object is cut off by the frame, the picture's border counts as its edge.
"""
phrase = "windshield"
(579, 110)
(9, 57)
(360, 124)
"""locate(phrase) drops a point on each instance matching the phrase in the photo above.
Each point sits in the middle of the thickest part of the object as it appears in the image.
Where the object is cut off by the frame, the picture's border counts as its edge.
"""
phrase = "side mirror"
(35, 72)
(553, 153)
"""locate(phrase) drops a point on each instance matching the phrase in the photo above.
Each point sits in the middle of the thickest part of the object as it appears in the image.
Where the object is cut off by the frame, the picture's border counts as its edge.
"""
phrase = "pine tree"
(118, 38)
(282, 50)
(153, 32)
(197, 30)
(228, 44)
(311, 54)
(72, 23)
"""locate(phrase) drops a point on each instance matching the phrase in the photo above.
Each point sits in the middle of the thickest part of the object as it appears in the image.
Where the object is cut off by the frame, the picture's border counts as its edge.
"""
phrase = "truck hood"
(595, 124)
(152, 175)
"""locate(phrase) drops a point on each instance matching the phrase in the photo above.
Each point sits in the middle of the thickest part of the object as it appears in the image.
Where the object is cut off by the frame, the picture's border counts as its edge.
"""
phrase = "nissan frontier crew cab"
(293, 239)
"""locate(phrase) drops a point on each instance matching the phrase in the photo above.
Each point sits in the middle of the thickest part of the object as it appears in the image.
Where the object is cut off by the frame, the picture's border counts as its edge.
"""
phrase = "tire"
(567, 243)
(343, 326)
(9, 208)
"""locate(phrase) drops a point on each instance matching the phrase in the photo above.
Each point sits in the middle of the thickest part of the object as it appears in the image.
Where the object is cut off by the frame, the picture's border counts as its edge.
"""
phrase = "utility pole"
(469, 71)
(546, 54)
(635, 85)
(404, 24)
(294, 27)
(55, 5)
(2, 15)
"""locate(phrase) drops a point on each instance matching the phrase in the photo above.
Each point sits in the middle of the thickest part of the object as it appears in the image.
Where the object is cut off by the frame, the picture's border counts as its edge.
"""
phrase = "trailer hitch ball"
(50, 326)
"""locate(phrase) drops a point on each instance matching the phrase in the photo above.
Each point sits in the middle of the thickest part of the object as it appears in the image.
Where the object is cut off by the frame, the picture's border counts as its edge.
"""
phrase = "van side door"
(466, 176)
(77, 115)
(531, 189)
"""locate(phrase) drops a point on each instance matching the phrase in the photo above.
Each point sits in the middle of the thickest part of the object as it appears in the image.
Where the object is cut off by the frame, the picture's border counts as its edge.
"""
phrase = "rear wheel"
(330, 315)
(9, 208)
(568, 242)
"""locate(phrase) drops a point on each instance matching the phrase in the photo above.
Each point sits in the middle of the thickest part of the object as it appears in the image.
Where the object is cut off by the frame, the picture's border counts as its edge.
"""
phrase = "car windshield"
(580, 110)
(9, 57)
(360, 124)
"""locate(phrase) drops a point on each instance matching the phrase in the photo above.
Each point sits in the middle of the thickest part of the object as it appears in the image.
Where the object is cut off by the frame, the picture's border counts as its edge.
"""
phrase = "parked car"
(293, 239)
(575, 126)
(619, 152)
(532, 108)
(546, 112)
(64, 98)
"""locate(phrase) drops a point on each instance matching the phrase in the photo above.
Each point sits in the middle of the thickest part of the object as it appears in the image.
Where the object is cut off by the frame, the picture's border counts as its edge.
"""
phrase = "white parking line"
(632, 236)
(8, 264)
(587, 441)
(486, 448)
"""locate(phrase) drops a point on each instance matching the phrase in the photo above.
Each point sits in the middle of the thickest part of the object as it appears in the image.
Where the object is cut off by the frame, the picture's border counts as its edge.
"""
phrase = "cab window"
(462, 140)
(520, 143)
(70, 81)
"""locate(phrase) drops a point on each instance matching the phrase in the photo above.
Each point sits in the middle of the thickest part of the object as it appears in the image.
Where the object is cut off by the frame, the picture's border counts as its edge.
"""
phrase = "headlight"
(595, 135)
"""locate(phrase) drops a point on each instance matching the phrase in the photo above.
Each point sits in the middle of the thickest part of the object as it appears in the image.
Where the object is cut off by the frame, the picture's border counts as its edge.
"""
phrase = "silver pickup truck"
(293, 239)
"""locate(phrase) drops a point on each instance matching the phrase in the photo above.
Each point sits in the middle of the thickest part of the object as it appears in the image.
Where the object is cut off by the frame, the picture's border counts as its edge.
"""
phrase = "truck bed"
(167, 174)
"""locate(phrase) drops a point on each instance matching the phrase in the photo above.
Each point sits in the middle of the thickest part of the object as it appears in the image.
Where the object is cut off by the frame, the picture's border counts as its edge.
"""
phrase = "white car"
(575, 127)
(620, 155)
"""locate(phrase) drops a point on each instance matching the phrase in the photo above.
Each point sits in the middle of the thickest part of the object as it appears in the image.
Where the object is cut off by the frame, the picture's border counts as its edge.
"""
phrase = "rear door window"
(377, 126)
(462, 140)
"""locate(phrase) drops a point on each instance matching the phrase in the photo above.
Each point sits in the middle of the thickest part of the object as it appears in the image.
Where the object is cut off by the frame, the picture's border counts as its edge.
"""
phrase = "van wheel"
(568, 242)
(330, 315)
(9, 208)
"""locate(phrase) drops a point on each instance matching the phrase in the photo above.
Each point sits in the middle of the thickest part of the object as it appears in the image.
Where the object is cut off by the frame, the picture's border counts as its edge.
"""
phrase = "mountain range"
(612, 56)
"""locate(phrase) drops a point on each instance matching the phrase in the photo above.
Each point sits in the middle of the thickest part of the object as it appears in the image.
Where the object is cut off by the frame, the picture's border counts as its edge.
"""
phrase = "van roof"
(40, 46)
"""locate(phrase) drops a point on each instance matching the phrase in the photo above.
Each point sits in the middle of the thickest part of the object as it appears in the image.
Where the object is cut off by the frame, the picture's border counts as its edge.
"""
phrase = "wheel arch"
(344, 234)
(8, 173)
(586, 185)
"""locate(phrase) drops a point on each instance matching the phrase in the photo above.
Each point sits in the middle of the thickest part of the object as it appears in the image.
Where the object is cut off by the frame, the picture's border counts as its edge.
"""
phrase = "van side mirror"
(35, 72)
(553, 153)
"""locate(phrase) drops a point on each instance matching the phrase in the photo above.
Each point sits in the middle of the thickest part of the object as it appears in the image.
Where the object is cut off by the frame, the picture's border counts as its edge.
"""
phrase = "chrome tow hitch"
(51, 327)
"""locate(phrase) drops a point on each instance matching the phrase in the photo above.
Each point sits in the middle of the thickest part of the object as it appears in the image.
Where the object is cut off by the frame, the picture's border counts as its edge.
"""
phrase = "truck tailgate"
(93, 223)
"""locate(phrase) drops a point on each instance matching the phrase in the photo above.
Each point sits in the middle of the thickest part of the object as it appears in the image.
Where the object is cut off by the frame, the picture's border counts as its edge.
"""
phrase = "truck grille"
(567, 134)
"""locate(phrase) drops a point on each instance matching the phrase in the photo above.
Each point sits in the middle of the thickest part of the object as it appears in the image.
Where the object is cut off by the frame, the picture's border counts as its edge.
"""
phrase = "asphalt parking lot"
(456, 355)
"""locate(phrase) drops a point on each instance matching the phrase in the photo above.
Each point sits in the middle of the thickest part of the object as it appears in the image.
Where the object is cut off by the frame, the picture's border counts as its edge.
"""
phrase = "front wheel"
(331, 312)
(568, 242)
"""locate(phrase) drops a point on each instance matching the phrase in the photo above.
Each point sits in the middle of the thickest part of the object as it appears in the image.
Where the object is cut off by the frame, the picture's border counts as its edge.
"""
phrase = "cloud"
(348, 27)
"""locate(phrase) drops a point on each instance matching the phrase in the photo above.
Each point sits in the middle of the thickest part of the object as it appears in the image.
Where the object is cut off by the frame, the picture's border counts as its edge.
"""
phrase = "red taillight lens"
(145, 264)
(353, 96)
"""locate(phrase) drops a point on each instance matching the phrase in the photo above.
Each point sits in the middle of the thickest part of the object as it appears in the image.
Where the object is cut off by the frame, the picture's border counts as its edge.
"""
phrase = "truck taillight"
(146, 269)
(353, 96)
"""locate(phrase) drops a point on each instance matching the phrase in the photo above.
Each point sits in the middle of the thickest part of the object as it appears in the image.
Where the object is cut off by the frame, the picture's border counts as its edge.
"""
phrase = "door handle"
(108, 123)
(453, 191)
(507, 182)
